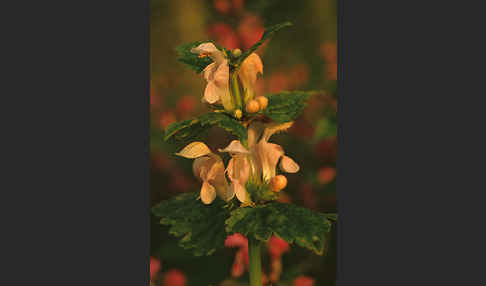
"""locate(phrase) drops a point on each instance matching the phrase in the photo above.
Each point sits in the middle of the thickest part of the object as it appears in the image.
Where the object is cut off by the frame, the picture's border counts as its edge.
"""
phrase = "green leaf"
(286, 105)
(200, 227)
(292, 223)
(192, 128)
(193, 60)
(267, 34)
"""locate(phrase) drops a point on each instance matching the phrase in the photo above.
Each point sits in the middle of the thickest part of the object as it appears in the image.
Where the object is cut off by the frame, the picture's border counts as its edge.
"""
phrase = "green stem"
(236, 90)
(254, 251)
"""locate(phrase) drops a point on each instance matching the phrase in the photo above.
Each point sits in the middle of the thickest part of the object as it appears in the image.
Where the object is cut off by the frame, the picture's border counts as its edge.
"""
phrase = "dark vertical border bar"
(339, 161)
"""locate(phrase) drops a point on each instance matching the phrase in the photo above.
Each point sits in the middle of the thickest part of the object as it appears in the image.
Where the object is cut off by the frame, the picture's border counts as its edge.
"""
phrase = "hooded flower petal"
(248, 71)
(235, 147)
(210, 50)
(194, 150)
(288, 165)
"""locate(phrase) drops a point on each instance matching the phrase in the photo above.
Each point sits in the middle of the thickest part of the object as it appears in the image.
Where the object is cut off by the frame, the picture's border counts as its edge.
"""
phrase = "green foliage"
(292, 223)
(200, 226)
(286, 105)
(189, 129)
(260, 192)
(266, 35)
(193, 60)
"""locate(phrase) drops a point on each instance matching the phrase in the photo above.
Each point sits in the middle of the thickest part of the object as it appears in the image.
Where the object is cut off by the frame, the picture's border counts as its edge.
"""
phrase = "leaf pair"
(203, 228)
(188, 130)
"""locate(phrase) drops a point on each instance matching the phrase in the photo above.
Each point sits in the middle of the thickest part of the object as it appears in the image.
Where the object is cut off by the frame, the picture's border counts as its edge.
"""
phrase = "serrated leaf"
(292, 223)
(266, 35)
(193, 60)
(200, 227)
(286, 105)
(192, 128)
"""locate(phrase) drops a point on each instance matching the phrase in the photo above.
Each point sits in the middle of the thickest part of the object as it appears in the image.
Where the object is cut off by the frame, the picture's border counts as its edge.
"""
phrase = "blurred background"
(302, 57)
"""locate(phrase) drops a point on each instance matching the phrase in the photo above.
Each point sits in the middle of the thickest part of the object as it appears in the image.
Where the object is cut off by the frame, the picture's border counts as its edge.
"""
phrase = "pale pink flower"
(264, 155)
(238, 169)
(216, 74)
(248, 72)
(210, 169)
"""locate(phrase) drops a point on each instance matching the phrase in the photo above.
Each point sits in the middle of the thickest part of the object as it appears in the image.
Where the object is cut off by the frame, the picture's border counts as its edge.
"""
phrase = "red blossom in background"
(222, 6)
(277, 247)
(155, 266)
(224, 35)
(185, 106)
(180, 182)
(329, 53)
(241, 261)
(303, 281)
(166, 118)
(236, 240)
(278, 81)
(175, 277)
(326, 175)
(250, 30)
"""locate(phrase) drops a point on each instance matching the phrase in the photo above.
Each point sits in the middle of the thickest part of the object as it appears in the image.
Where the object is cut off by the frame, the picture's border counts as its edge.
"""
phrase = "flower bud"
(262, 101)
(278, 183)
(252, 106)
(238, 114)
(236, 53)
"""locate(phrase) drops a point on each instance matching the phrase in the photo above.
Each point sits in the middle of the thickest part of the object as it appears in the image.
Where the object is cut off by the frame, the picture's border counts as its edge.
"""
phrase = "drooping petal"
(221, 79)
(238, 169)
(288, 165)
(240, 192)
(217, 178)
(217, 88)
(208, 193)
(209, 71)
(212, 93)
(235, 147)
(194, 150)
(221, 75)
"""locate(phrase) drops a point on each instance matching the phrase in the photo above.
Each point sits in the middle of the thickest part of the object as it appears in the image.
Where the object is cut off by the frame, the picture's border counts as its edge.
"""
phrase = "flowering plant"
(239, 197)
